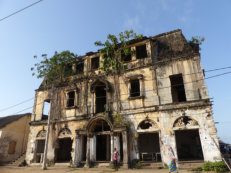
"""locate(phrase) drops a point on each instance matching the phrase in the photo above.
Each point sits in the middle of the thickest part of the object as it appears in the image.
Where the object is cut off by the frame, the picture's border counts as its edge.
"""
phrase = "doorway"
(63, 150)
(103, 148)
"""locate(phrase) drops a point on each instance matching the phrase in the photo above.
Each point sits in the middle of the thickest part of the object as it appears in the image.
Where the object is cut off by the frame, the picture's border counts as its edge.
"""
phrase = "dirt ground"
(6, 169)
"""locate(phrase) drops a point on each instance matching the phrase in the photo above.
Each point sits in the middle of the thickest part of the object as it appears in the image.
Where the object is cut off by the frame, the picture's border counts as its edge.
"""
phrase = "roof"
(9, 119)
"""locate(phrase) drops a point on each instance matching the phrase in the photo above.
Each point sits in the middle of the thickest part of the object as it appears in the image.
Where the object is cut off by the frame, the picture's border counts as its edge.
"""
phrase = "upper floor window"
(79, 68)
(141, 52)
(177, 88)
(68, 70)
(46, 109)
(71, 99)
(95, 63)
(126, 57)
(134, 88)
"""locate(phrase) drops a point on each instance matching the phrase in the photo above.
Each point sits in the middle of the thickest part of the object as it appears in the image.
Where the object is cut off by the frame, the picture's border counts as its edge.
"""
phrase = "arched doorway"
(187, 137)
(39, 145)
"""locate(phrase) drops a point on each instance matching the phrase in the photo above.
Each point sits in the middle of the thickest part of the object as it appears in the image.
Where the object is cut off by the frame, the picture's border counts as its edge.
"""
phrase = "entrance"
(103, 148)
(188, 145)
(149, 146)
(39, 150)
(63, 151)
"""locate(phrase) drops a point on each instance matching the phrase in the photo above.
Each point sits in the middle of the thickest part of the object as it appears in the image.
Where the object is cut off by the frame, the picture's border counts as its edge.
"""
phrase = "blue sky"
(57, 25)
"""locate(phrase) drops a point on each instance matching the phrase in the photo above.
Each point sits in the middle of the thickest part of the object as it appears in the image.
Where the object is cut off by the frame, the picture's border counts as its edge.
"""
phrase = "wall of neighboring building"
(14, 139)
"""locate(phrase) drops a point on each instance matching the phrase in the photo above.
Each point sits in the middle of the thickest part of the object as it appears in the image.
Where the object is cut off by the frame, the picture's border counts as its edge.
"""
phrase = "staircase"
(18, 161)
(151, 165)
(188, 165)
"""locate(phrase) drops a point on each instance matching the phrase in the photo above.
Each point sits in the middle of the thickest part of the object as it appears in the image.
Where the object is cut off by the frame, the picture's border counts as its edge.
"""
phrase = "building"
(161, 99)
(14, 131)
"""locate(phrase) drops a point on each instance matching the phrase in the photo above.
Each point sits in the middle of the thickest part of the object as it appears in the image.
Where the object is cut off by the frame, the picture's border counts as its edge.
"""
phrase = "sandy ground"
(6, 169)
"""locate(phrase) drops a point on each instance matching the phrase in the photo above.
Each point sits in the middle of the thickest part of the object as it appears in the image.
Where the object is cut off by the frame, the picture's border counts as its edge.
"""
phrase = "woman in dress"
(172, 164)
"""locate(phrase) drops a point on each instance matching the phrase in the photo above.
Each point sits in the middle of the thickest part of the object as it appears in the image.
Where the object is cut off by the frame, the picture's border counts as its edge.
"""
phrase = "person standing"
(172, 164)
(115, 159)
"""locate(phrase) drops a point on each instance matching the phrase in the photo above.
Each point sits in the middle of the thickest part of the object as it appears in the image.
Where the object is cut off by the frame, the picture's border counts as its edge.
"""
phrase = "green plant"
(119, 120)
(138, 165)
(215, 166)
(196, 40)
(208, 166)
(197, 169)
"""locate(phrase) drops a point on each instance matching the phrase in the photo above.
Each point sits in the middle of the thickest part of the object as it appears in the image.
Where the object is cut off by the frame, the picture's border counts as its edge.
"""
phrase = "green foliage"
(119, 120)
(138, 165)
(197, 169)
(215, 166)
(196, 40)
(112, 49)
(56, 68)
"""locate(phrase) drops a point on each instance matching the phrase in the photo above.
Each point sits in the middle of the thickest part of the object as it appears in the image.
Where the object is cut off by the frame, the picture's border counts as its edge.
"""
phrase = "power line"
(20, 10)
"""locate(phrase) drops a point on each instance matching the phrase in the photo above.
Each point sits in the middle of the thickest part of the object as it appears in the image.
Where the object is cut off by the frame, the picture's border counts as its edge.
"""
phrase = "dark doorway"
(103, 148)
(101, 98)
(121, 148)
(177, 88)
(188, 145)
(63, 150)
(149, 146)
(39, 150)
(84, 148)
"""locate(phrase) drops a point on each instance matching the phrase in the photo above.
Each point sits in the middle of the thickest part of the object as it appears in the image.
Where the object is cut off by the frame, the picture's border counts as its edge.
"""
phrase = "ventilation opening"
(79, 68)
(103, 148)
(177, 87)
(135, 88)
(39, 150)
(149, 146)
(101, 98)
(63, 150)
(71, 99)
(126, 57)
(95, 63)
(188, 145)
(46, 109)
(141, 52)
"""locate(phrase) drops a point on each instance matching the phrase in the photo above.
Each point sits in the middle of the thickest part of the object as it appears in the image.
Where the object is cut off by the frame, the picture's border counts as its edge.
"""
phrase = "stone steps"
(188, 165)
(152, 165)
(18, 161)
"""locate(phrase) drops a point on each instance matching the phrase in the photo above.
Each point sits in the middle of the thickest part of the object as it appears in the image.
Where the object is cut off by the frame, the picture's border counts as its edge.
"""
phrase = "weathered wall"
(15, 131)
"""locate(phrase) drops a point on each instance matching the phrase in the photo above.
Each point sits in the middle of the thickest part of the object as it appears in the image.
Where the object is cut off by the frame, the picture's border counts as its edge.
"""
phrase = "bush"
(208, 166)
(216, 166)
(138, 165)
(197, 169)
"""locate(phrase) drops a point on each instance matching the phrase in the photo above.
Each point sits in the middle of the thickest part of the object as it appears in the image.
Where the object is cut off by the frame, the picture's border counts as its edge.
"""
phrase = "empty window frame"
(126, 57)
(71, 99)
(68, 70)
(141, 52)
(135, 88)
(95, 63)
(177, 88)
(46, 109)
(79, 68)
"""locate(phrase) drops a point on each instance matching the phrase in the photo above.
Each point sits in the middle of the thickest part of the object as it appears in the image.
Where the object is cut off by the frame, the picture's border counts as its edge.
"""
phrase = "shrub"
(197, 169)
(216, 166)
(138, 165)
(208, 166)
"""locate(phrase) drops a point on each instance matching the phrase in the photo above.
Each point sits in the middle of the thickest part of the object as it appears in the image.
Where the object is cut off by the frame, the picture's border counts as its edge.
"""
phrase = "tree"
(56, 68)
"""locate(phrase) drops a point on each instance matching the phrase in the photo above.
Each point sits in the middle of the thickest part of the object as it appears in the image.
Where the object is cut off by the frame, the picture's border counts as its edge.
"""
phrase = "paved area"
(6, 169)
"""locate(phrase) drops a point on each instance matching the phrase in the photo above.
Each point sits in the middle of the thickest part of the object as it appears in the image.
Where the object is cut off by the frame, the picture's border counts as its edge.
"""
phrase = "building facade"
(14, 131)
(161, 99)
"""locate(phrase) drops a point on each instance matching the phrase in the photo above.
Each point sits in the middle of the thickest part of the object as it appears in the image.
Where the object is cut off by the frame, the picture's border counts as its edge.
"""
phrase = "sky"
(57, 25)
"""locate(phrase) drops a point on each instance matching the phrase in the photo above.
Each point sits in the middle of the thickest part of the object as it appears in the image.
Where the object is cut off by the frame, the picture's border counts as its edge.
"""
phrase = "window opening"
(46, 109)
(135, 88)
(79, 68)
(39, 150)
(141, 52)
(63, 150)
(177, 88)
(71, 99)
(68, 70)
(95, 63)
(101, 98)
(101, 126)
(125, 57)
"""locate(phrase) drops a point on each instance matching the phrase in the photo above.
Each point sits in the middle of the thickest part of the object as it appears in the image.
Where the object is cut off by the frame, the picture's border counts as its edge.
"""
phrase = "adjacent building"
(160, 100)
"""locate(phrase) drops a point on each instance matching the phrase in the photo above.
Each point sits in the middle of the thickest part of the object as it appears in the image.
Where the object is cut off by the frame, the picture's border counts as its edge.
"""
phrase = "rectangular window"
(46, 109)
(68, 70)
(141, 52)
(135, 88)
(79, 68)
(127, 57)
(177, 88)
(95, 63)
(71, 99)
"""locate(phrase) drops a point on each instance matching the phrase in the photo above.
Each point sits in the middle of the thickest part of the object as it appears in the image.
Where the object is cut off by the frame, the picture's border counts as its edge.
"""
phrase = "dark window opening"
(121, 148)
(135, 88)
(39, 150)
(101, 126)
(12, 146)
(71, 99)
(126, 57)
(95, 63)
(101, 98)
(79, 68)
(177, 87)
(68, 70)
(46, 109)
(141, 52)
(103, 148)
(145, 125)
(188, 145)
(63, 150)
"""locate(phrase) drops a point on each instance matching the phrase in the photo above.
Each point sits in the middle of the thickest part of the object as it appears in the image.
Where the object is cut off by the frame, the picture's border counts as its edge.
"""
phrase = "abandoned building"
(162, 97)
(14, 131)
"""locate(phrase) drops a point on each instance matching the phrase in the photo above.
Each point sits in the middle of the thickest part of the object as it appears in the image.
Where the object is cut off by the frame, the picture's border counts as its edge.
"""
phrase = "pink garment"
(115, 155)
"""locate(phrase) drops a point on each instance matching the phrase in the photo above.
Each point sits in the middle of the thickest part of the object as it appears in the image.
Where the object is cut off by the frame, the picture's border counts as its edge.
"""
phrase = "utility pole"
(44, 166)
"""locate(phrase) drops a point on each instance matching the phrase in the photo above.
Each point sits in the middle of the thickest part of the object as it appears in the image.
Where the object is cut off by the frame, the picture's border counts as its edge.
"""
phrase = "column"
(112, 147)
(117, 144)
(125, 149)
(88, 152)
(92, 103)
(77, 154)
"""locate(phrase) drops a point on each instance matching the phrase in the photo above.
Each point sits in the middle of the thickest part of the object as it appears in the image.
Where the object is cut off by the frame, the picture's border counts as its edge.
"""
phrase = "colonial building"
(14, 131)
(161, 99)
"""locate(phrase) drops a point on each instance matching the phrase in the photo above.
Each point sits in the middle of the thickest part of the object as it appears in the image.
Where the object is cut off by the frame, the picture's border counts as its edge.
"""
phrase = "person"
(172, 164)
(115, 159)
